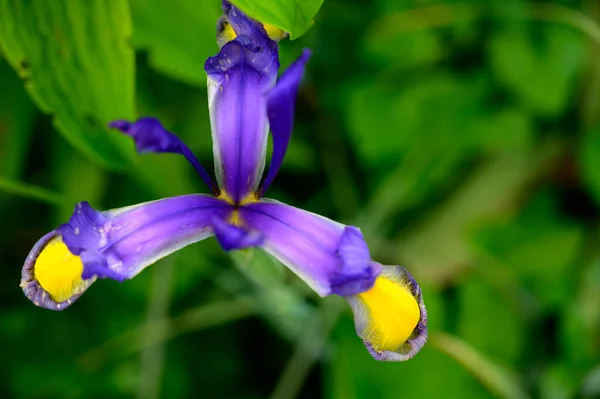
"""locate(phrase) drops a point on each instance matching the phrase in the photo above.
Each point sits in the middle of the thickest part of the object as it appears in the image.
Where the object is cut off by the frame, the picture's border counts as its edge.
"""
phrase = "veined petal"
(149, 135)
(238, 78)
(281, 103)
(391, 317)
(330, 257)
(116, 244)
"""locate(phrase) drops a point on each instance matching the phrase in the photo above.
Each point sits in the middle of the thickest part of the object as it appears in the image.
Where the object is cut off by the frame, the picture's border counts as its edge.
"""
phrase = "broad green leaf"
(293, 16)
(77, 66)
(540, 68)
(179, 36)
(506, 129)
(387, 120)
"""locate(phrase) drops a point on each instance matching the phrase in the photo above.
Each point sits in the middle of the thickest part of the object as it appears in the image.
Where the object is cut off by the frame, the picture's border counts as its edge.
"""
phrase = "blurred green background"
(462, 137)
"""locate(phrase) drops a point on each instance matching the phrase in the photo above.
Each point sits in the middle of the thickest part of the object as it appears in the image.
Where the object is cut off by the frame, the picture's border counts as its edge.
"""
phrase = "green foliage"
(84, 43)
(451, 132)
(178, 37)
(293, 16)
(540, 73)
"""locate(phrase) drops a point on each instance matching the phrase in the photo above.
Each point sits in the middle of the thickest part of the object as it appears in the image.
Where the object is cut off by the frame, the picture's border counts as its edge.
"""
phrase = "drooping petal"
(281, 103)
(149, 135)
(238, 78)
(359, 271)
(391, 317)
(330, 257)
(66, 283)
(116, 244)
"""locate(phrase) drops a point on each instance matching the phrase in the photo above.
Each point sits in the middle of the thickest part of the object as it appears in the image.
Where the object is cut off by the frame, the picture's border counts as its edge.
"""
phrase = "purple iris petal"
(149, 135)
(238, 78)
(243, 25)
(120, 243)
(280, 109)
(132, 238)
(359, 273)
(315, 248)
(234, 237)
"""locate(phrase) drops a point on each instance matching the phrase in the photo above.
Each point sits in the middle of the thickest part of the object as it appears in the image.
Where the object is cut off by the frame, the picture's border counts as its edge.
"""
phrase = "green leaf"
(539, 67)
(507, 129)
(17, 115)
(13, 187)
(490, 323)
(493, 377)
(293, 16)
(523, 245)
(399, 115)
(179, 38)
(77, 66)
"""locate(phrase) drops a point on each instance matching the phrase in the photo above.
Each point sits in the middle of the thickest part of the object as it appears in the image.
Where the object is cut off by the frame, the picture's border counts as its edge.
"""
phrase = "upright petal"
(391, 317)
(238, 78)
(149, 135)
(280, 109)
(235, 23)
(116, 244)
(330, 257)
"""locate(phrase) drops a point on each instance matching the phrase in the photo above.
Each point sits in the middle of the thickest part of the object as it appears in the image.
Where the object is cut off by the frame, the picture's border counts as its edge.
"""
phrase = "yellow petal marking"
(393, 314)
(58, 271)
(228, 33)
(274, 32)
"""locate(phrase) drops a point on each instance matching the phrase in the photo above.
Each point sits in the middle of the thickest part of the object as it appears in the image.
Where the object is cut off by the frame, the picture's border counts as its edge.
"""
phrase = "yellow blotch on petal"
(393, 314)
(274, 32)
(225, 197)
(235, 218)
(58, 271)
(228, 34)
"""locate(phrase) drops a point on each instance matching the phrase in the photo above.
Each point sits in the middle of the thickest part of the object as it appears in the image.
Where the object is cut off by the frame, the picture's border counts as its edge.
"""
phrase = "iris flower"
(245, 100)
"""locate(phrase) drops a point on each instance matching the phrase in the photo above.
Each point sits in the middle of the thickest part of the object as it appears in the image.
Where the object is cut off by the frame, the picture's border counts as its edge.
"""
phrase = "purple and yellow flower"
(246, 100)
